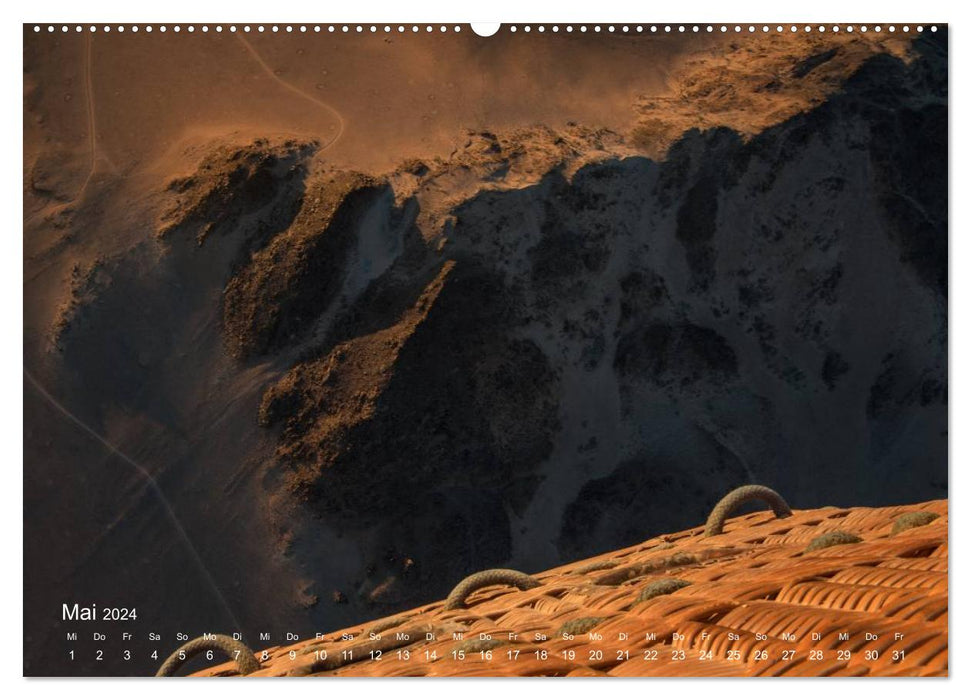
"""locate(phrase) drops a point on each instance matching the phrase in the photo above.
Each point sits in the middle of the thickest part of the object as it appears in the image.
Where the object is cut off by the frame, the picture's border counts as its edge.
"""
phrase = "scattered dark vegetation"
(676, 355)
(834, 367)
(697, 223)
(806, 66)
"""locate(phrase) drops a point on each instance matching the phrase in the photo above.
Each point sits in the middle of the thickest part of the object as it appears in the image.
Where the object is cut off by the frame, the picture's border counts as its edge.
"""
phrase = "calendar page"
(449, 350)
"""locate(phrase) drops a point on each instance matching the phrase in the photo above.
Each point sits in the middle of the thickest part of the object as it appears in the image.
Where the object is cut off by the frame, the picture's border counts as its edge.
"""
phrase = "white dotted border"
(710, 28)
(258, 28)
(428, 28)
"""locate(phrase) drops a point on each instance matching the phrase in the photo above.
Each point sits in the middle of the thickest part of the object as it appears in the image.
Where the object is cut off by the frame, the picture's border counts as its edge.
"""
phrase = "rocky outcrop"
(234, 181)
(275, 298)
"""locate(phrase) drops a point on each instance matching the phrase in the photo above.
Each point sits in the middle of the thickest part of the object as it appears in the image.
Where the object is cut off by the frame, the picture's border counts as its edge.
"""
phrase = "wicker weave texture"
(756, 604)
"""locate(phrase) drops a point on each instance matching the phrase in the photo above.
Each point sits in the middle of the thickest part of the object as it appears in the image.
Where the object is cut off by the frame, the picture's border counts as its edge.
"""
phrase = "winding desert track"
(93, 154)
(89, 104)
(150, 483)
(297, 91)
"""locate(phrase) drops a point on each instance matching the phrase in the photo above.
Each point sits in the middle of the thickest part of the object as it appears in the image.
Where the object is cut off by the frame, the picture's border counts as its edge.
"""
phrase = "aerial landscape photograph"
(397, 350)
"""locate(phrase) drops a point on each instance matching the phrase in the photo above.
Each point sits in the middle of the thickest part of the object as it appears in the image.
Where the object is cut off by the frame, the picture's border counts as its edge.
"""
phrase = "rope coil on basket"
(489, 577)
(246, 662)
(743, 494)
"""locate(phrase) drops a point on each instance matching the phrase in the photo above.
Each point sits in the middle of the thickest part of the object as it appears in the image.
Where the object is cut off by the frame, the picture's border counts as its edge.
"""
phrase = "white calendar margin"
(509, 11)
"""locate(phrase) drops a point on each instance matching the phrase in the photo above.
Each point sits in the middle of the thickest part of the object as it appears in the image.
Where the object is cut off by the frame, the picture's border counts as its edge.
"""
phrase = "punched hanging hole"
(485, 29)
